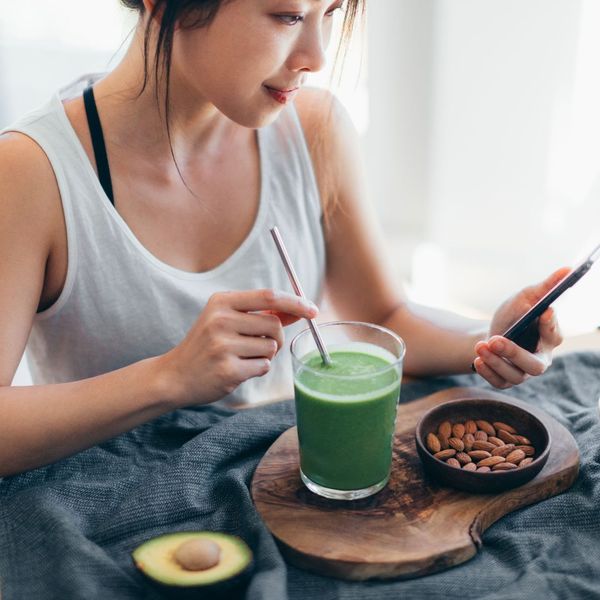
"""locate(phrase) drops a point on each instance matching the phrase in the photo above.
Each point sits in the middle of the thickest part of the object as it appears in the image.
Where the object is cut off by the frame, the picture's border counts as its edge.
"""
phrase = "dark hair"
(196, 14)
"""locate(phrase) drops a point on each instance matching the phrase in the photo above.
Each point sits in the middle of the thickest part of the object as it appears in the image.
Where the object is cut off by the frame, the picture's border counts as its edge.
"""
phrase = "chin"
(254, 119)
(267, 119)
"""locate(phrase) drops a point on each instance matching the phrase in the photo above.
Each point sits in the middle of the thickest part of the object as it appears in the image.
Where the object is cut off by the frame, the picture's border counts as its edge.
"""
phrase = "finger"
(550, 334)
(252, 367)
(521, 359)
(489, 375)
(284, 318)
(246, 346)
(261, 324)
(269, 299)
(507, 371)
(535, 292)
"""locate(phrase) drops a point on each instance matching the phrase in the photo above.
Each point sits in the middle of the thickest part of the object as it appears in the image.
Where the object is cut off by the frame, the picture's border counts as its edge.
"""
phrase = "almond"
(445, 429)
(509, 438)
(479, 445)
(500, 425)
(457, 444)
(479, 454)
(458, 430)
(529, 450)
(433, 443)
(491, 461)
(486, 426)
(521, 439)
(463, 458)
(505, 466)
(516, 456)
(470, 426)
(444, 454)
(503, 450)
(468, 440)
(494, 440)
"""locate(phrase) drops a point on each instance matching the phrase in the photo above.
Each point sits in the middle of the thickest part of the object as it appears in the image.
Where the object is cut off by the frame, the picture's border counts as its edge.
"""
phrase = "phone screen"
(524, 332)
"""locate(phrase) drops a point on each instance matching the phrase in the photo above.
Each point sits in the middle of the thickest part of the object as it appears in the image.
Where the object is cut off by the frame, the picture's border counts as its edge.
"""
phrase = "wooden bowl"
(459, 411)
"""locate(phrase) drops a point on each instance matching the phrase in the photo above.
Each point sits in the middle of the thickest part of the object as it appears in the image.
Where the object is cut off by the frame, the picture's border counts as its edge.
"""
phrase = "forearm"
(435, 343)
(42, 424)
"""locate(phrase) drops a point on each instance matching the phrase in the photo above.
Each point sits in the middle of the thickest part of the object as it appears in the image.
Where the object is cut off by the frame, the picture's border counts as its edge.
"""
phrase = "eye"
(290, 19)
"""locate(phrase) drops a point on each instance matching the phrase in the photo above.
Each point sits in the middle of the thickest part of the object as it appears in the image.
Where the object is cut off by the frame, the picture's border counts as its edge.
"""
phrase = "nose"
(309, 53)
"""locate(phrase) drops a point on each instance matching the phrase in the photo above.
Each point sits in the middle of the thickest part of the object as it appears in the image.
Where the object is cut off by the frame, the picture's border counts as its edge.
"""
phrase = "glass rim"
(372, 326)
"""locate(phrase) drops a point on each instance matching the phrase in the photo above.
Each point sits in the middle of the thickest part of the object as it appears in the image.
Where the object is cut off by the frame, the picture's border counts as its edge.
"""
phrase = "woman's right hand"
(235, 338)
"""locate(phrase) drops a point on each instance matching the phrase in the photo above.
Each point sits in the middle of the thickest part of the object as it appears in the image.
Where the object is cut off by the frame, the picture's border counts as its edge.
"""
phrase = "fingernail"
(497, 346)
(312, 306)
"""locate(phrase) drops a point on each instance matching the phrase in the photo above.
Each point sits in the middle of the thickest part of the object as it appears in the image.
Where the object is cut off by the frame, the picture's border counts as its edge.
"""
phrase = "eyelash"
(299, 18)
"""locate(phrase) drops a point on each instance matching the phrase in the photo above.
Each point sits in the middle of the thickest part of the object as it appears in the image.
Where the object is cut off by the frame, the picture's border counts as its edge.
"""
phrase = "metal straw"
(287, 263)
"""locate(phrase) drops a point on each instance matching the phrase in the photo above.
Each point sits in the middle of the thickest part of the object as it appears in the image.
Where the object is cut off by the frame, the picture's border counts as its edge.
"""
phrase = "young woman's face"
(253, 55)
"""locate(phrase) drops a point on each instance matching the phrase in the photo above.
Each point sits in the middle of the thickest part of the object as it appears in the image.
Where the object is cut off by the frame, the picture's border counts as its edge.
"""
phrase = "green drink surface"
(346, 415)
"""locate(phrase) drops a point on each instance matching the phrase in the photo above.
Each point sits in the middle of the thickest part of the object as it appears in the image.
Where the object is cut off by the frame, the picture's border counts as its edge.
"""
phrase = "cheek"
(229, 69)
(240, 63)
(252, 59)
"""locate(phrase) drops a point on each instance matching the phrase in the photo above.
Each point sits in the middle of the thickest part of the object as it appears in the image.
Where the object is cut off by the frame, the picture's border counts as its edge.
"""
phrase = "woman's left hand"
(502, 362)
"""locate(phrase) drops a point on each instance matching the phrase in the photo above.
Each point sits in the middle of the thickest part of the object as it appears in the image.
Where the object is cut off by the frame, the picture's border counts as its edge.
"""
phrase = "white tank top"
(121, 304)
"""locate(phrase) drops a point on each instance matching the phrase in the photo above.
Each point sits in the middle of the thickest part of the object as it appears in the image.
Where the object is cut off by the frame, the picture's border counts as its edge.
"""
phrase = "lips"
(282, 95)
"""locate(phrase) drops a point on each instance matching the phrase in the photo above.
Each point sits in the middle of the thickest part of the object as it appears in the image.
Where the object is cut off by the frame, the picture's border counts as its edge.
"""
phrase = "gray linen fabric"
(67, 530)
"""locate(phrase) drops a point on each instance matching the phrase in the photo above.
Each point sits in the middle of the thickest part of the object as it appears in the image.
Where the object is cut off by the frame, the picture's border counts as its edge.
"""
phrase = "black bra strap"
(98, 143)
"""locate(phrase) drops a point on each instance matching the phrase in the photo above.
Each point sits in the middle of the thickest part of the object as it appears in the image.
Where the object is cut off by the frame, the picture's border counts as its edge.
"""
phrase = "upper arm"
(359, 284)
(26, 184)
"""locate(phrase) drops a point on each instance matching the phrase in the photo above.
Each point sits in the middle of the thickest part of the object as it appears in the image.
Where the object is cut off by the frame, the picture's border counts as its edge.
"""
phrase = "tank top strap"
(93, 119)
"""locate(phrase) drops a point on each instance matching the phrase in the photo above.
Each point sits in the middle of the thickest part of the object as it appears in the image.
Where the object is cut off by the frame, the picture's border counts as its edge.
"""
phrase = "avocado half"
(155, 558)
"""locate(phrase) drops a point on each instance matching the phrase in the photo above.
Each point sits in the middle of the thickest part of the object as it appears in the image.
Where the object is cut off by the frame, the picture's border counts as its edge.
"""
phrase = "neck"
(138, 122)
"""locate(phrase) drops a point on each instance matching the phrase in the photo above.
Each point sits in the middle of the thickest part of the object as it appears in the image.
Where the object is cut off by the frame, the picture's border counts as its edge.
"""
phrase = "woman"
(135, 258)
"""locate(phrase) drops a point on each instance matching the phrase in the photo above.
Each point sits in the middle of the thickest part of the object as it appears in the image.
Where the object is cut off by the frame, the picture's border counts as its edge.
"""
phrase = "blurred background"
(479, 119)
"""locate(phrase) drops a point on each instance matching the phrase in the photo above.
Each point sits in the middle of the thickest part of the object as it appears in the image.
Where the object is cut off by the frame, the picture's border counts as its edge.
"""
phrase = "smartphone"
(524, 332)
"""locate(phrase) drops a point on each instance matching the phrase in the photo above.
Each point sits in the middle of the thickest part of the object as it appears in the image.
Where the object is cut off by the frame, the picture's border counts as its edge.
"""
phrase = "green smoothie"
(346, 414)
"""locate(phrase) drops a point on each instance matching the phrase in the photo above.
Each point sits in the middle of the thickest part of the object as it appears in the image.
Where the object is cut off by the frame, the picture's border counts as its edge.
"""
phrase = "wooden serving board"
(412, 527)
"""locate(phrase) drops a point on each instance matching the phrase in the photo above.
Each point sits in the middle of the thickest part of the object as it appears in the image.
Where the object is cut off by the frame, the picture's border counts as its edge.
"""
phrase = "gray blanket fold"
(67, 530)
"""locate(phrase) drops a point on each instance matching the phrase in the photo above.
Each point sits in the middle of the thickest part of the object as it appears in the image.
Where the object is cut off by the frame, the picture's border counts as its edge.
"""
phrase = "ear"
(149, 7)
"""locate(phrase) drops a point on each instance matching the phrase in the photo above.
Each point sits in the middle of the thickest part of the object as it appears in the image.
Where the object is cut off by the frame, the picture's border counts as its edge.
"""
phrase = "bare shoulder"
(23, 164)
(29, 213)
(324, 119)
(334, 147)
(29, 193)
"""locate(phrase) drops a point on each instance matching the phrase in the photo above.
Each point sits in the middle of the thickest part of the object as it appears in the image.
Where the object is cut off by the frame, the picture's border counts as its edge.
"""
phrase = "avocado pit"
(197, 554)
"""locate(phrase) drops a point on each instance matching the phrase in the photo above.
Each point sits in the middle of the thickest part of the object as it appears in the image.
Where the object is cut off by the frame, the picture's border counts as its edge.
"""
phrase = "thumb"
(537, 291)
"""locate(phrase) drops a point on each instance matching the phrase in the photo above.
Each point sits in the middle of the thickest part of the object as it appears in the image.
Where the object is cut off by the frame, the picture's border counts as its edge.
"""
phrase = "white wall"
(484, 131)
(397, 142)
(502, 84)
(44, 45)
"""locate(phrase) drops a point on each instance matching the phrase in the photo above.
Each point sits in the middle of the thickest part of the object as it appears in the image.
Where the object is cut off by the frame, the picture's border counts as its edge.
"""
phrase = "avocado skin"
(229, 589)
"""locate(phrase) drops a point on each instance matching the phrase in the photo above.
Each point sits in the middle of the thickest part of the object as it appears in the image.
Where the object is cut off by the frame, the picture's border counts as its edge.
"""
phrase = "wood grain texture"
(412, 527)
